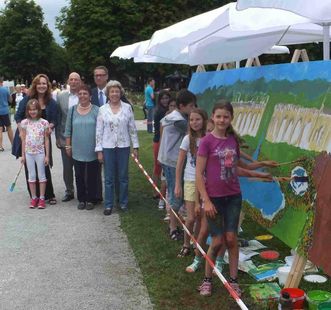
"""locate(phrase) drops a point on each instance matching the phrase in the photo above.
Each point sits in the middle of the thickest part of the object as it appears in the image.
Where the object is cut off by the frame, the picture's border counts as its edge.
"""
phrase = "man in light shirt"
(65, 100)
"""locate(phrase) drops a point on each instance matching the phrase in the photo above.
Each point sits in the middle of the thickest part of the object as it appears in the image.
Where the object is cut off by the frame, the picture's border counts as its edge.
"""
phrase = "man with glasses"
(98, 93)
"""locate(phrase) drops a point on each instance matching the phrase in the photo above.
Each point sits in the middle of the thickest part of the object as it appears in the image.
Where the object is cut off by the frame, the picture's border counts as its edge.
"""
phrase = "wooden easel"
(201, 68)
(300, 54)
(299, 263)
(253, 62)
(225, 66)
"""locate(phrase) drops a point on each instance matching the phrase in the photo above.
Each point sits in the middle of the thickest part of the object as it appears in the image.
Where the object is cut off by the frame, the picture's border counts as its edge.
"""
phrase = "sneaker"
(81, 206)
(195, 265)
(89, 206)
(33, 203)
(218, 266)
(107, 212)
(41, 204)
(124, 209)
(205, 288)
(167, 218)
(161, 204)
(236, 288)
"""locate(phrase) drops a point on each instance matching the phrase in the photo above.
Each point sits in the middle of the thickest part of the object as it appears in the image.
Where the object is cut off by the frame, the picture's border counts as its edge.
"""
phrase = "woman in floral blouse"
(115, 130)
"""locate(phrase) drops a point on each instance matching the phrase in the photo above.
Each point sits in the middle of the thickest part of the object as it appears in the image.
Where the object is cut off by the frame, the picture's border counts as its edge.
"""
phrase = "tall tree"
(27, 45)
(92, 29)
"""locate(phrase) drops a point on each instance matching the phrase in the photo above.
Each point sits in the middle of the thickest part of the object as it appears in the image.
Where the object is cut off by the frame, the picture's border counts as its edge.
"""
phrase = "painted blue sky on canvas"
(292, 72)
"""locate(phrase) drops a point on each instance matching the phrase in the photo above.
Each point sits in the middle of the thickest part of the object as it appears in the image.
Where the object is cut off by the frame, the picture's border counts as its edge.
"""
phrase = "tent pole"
(326, 42)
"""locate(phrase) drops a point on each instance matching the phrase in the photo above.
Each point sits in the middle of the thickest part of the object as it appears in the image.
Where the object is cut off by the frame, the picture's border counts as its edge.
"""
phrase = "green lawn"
(169, 286)
(138, 112)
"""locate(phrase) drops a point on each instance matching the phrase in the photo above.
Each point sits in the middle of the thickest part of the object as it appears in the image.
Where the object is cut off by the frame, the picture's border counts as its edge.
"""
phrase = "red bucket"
(297, 297)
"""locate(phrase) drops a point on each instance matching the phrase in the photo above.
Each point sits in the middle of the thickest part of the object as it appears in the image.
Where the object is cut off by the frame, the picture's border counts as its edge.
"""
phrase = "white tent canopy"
(318, 12)
(137, 52)
(210, 38)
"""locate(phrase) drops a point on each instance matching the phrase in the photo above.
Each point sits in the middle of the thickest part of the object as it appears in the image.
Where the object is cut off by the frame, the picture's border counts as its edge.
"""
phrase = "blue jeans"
(227, 217)
(170, 175)
(116, 162)
(150, 117)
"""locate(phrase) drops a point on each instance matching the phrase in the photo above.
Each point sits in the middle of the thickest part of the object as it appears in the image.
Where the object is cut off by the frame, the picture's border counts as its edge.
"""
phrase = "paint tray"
(265, 292)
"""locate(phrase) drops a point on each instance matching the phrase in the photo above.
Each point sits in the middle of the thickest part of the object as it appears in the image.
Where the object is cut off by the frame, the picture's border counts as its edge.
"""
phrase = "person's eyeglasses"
(99, 75)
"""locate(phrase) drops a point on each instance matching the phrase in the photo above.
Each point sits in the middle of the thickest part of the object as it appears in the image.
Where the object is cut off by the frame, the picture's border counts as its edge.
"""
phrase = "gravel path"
(60, 257)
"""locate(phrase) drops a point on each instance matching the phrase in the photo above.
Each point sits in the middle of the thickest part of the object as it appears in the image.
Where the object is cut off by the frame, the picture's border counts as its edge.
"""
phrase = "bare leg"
(10, 134)
(42, 188)
(212, 252)
(173, 222)
(32, 186)
(189, 221)
(232, 245)
(203, 233)
(1, 130)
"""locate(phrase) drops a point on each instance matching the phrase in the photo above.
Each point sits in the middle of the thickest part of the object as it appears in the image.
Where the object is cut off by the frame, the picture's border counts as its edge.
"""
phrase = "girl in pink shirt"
(35, 150)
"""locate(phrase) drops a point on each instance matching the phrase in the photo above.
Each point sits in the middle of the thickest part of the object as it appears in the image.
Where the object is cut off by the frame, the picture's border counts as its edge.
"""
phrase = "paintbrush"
(302, 179)
(291, 162)
(12, 186)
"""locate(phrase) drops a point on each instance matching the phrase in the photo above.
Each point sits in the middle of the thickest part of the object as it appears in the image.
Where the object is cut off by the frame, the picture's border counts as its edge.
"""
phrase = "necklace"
(84, 108)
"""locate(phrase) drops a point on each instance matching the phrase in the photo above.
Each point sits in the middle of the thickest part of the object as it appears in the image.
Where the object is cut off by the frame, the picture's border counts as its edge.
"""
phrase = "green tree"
(92, 29)
(27, 45)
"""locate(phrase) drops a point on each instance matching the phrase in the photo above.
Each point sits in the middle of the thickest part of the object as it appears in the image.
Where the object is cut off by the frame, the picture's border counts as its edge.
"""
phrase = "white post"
(326, 42)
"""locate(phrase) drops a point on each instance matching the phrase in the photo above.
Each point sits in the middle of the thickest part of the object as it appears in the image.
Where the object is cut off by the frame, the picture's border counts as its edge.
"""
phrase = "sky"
(51, 9)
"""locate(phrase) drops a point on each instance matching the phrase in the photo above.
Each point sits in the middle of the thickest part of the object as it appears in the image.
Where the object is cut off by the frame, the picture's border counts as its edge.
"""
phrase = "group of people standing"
(200, 158)
(92, 127)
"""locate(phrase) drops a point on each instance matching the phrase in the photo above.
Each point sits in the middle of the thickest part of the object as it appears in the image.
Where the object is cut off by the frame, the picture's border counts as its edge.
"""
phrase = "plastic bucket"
(324, 306)
(282, 274)
(297, 297)
(317, 297)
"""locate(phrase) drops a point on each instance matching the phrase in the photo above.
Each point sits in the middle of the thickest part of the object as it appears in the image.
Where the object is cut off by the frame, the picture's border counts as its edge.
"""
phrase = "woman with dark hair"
(41, 90)
(80, 145)
(161, 110)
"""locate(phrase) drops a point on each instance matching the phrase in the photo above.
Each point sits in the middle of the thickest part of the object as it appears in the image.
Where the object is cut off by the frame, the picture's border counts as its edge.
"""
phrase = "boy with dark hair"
(174, 128)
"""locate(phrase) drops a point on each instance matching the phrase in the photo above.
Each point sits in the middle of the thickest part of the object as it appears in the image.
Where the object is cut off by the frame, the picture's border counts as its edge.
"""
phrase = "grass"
(169, 286)
(138, 112)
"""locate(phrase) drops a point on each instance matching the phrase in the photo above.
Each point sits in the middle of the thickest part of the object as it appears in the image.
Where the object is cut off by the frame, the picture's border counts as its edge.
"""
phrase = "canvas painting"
(283, 112)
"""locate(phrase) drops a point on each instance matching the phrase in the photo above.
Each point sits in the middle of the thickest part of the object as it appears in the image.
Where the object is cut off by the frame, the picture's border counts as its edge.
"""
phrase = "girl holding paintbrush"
(35, 150)
(217, 171)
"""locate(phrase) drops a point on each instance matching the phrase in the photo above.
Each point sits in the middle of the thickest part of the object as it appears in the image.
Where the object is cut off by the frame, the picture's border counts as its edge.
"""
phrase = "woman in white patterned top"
(116, 130)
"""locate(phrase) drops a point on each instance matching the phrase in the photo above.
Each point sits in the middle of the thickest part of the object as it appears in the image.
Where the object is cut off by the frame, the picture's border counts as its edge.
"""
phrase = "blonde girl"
(187, 154)
(35, 150)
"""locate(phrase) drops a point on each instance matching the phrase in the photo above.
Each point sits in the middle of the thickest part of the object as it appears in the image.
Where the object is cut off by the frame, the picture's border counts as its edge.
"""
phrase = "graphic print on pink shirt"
(227, 158)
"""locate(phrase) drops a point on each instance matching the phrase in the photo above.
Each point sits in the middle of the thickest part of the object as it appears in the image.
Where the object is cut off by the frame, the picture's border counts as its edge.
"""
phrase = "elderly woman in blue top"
(115, 130)
(80, 145)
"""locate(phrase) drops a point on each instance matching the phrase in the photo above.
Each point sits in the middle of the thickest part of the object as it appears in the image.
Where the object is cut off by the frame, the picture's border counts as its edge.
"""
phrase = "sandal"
(185, 251)
(175, 235)
(52, 201)
(1, 149)
(235, 286)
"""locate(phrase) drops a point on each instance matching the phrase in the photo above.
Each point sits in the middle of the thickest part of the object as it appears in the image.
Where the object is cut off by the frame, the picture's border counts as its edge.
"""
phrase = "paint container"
(317, 297)
(282, 274)
(324, 306)
(297, 297)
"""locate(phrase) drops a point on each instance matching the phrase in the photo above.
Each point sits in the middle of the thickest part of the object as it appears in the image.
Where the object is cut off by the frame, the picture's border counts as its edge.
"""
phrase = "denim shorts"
(170, 175)
(227, 217)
